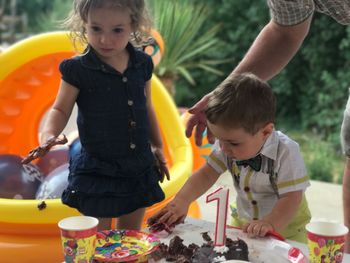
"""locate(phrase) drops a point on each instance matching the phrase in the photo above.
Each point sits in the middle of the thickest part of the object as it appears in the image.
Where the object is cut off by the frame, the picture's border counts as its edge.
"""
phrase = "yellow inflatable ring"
(28, 86)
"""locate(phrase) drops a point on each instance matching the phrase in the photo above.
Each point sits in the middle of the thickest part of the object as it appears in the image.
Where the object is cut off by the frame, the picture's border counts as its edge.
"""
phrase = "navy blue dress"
(114, 174)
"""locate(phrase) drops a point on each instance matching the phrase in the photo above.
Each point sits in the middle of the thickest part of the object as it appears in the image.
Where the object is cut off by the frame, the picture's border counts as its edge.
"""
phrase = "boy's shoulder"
(279, 144)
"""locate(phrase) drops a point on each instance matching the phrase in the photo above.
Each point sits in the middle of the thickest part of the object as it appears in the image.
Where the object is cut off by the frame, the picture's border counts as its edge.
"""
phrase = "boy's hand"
(258, 228)
(173, 214)
(161, 164)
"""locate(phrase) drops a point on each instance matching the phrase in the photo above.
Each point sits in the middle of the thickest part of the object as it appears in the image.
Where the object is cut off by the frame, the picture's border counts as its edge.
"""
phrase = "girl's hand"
(43, 149)
(258, 228)
(161, 164)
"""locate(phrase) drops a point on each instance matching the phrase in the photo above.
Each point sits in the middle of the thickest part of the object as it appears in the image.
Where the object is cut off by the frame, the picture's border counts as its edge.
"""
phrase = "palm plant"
(187, 44)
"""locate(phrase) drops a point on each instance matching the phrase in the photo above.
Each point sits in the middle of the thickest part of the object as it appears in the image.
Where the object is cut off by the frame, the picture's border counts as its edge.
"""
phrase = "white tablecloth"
(260, 249)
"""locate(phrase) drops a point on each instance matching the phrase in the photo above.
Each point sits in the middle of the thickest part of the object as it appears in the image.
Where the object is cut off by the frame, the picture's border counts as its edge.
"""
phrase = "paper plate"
(124, 245)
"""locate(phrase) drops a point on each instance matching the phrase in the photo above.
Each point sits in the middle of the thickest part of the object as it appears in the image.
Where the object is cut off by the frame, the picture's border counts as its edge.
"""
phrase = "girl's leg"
(104, 223)
(132, 220)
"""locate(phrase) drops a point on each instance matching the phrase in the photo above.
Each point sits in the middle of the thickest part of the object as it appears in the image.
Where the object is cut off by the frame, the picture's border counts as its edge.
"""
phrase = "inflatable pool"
(28, 86)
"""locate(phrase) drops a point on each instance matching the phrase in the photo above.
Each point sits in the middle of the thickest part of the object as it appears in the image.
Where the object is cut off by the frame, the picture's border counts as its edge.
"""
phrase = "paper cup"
(78, 234)
(326, 241)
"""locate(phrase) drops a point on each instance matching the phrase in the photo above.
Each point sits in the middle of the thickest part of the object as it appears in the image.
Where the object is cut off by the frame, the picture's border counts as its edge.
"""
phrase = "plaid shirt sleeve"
(290, 12)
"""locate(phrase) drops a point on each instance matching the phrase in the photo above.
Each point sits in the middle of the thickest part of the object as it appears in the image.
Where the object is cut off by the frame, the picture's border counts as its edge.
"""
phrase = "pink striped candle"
(221, 196)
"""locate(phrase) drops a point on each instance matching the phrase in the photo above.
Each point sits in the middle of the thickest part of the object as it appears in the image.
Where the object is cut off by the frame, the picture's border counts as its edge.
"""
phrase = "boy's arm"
(282, 213)
(194, 187)
(284, 210)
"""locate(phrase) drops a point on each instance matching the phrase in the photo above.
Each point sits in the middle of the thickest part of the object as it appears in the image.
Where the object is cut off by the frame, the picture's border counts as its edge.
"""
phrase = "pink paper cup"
(326, 241)
(78, 235)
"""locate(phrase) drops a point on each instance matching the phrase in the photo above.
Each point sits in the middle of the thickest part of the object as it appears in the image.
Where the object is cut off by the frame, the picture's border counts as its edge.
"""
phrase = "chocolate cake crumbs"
(42, 205)
(179, 253)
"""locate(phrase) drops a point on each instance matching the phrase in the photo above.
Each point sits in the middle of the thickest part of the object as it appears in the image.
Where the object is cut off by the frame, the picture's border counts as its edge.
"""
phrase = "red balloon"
(16, 180)
(53, 159)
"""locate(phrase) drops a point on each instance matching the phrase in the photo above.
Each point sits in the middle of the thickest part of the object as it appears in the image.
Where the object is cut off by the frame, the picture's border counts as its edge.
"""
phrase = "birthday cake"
(207, 253)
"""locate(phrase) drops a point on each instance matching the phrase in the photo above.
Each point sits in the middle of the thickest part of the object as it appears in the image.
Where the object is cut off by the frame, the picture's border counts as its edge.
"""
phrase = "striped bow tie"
(254, 163)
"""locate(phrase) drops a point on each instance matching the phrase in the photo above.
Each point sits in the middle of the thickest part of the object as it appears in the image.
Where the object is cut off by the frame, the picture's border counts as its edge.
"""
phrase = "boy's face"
(238, 144)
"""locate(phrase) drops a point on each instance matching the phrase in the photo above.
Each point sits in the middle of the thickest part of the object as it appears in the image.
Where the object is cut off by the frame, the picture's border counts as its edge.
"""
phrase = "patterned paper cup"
(326, 241)
(78, 234)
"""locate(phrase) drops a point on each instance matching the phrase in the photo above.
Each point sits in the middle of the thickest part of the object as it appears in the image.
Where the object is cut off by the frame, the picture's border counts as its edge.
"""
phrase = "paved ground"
(325, 200)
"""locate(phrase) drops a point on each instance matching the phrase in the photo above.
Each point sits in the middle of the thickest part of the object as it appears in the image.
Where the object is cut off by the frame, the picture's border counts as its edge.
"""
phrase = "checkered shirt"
(292, 12)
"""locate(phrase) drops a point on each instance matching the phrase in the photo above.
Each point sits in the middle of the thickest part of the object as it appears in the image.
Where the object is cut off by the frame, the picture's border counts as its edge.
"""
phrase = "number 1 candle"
(221, 196)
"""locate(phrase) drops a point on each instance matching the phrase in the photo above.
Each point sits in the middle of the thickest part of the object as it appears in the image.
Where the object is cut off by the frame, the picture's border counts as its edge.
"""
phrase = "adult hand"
(199, 121)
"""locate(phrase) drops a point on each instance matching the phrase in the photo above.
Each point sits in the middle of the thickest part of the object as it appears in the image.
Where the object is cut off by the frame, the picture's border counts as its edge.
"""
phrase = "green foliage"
(321, 160)
(240, 22)
(312, 90)
(52, 20)
(180, 22)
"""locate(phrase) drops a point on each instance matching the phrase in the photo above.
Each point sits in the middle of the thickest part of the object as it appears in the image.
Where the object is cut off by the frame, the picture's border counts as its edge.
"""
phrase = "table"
(261, 249)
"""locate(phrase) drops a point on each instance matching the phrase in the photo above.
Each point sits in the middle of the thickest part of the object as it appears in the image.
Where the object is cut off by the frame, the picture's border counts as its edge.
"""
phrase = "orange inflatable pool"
(28, 85)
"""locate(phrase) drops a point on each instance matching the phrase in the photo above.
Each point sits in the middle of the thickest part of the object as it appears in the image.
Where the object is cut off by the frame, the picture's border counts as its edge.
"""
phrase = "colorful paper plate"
(124, 245)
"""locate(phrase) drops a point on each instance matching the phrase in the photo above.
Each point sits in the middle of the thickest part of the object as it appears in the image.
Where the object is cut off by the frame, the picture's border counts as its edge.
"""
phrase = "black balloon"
(53, 159)
(54, 183)
(75, 147)
(16, 180)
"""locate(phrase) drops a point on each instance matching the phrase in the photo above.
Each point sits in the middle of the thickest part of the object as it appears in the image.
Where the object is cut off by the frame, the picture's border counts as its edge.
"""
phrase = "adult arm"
(273, 48)
(271, 51)
(60, 112)
(346, 202)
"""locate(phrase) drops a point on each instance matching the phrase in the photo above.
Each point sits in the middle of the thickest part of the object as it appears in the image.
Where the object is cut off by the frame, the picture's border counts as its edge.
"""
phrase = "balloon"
(53, 159)
(54, 183)
(75, 147)
(16, 180)
(321, 242)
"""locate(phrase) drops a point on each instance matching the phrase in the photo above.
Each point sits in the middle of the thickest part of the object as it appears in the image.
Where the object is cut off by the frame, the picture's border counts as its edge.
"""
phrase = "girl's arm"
(60, 112)
(156, 139)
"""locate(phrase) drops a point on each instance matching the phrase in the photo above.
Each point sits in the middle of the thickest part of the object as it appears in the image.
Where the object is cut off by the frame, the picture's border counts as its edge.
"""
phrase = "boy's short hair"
(242, 101)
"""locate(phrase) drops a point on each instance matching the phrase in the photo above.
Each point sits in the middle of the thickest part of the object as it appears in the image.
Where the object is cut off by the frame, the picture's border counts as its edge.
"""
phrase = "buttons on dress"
(246, 189)
(130, 102)
(132, 146)
(103, 68)
(132, 124)
(254, 202)
(124, 79)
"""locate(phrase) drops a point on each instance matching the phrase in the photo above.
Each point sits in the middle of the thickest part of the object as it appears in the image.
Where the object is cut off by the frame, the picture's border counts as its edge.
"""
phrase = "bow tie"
(254, 163)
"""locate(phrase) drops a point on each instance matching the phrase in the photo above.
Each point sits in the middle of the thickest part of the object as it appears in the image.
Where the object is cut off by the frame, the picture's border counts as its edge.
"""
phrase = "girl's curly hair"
(140, 19)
